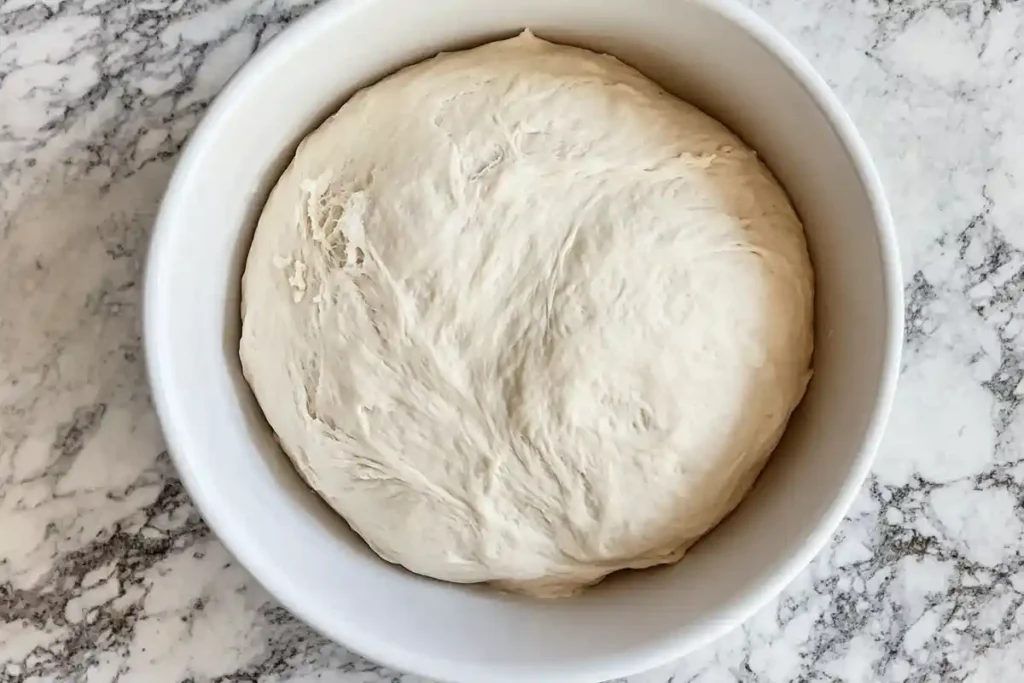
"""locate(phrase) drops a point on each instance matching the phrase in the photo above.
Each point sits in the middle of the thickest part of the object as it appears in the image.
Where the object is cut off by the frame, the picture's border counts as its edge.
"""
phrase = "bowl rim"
(674, 645)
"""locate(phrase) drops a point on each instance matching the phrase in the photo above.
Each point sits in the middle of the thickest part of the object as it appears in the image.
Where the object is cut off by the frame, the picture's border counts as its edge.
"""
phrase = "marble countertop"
(107, 573)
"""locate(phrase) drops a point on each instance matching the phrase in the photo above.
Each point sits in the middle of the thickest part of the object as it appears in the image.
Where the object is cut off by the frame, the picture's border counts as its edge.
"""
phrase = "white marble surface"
(108, 574)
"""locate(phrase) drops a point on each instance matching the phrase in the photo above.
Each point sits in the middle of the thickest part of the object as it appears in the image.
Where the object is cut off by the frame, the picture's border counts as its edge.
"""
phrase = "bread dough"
(522, 317)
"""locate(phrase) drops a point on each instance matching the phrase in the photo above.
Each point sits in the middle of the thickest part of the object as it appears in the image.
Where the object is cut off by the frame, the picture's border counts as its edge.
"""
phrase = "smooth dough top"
(522, 317)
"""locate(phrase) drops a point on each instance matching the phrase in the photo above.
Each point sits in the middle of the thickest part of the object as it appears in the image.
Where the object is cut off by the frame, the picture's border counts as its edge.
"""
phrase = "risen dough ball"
(522, 317)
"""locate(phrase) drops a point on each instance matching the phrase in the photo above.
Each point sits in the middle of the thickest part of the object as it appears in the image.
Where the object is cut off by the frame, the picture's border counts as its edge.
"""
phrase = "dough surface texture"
(522, 317)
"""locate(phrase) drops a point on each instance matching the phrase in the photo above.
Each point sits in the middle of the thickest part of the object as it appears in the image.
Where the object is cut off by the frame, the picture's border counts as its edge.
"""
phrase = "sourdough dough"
(522, 317)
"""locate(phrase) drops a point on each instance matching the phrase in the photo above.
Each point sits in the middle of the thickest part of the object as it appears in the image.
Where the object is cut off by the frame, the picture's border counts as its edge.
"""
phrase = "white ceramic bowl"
(714, 54)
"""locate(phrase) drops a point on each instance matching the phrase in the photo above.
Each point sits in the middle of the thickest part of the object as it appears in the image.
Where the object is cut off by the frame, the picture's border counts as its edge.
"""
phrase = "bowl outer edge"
(666, 649)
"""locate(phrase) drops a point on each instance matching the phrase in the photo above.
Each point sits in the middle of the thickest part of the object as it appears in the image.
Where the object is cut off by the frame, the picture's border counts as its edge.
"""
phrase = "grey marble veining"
(107, 572)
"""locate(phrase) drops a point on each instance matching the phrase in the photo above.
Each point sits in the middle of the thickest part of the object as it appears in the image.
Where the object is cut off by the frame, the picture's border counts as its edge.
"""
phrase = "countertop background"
(107, 572)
